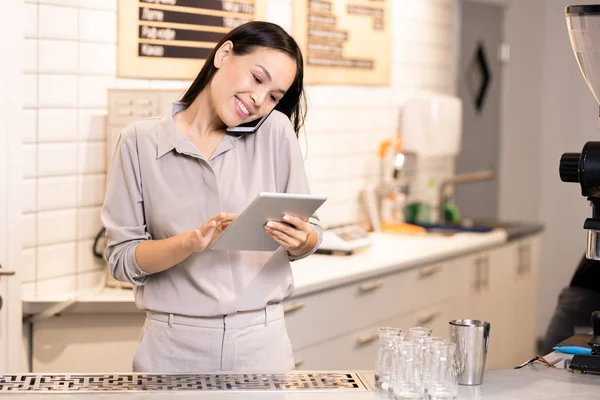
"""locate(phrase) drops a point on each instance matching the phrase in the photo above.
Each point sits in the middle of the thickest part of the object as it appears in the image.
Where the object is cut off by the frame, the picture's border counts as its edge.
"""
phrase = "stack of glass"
(415, 366)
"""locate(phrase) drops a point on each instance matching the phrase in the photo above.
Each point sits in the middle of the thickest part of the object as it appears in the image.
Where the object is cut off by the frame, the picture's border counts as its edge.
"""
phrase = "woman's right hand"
(198, 239)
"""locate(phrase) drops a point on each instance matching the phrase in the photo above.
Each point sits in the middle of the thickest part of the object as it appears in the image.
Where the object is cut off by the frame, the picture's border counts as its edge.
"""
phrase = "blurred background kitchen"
(440, 137)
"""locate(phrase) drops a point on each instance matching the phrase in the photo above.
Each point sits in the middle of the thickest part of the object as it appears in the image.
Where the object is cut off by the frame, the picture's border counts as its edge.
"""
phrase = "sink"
(466, 226)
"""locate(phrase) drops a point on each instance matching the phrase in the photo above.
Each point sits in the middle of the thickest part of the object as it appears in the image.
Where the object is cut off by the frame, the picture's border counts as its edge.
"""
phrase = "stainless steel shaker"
(471, 338)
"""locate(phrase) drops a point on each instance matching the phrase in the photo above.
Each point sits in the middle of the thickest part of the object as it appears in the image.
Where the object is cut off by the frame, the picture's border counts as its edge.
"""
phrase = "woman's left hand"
(296, 235)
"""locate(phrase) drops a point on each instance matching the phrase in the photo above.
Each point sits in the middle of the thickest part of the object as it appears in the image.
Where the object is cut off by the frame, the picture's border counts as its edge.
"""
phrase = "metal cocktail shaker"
(471, 338)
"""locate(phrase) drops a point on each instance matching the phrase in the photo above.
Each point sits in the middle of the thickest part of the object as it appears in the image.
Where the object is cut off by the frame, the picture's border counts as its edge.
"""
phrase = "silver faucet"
(460, 178)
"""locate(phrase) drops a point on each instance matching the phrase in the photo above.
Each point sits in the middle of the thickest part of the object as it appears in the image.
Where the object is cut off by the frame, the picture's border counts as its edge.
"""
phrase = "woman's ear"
(222, 53)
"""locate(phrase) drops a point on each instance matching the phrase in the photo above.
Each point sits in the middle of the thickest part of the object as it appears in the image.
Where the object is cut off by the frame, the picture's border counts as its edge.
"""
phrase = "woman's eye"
(257, 79)
(274, 99)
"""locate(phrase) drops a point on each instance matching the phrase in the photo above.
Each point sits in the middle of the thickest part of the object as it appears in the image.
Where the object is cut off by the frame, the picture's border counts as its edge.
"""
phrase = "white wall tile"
(31, 20)
(30, 160)
(29, 125)
(28, 195)
(92, 158)
(97, 26)
(92, 124)
(56, 226)
(89, 223)
(99, 4)
(28, 261)
(132, 83)
(58, 90)
(28, 290)
(30, 90)
(29, 230)
(56, 22)
(86, 260)
(57, 260)
(93, 91)
(57, 159)
(98, 58)
(91, 190)
(57, 192)
(58, 125)
(30, 56)
(72, 3)
(58, 56)
(56, 286)
(89, 280)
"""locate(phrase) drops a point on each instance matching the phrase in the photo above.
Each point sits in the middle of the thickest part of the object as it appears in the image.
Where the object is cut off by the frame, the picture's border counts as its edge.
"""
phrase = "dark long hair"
(246, 38)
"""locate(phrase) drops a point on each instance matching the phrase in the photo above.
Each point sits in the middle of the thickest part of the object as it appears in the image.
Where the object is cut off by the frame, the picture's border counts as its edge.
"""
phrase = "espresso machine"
(583, 24)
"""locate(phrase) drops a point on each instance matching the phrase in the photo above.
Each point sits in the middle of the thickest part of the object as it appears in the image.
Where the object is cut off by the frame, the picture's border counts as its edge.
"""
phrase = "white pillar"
(11, 55)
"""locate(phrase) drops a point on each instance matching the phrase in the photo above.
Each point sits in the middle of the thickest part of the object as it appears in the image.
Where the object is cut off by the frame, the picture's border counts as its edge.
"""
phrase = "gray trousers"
(574, 309)
(245, 342)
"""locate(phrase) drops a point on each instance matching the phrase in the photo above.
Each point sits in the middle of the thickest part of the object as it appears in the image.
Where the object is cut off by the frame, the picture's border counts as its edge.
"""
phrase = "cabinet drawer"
(125, 107)
(316, 317)
(358, 350)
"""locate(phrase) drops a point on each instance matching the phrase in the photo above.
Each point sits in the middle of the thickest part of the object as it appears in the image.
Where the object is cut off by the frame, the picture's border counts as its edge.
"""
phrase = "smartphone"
(248, 127)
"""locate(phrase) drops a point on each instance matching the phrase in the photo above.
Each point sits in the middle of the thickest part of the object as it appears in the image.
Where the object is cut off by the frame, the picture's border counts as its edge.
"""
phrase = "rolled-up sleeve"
(294, 179)
(123, 211)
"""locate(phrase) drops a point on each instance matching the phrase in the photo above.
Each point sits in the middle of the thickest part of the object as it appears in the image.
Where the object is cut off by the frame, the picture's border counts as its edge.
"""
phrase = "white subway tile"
(92, 157)
(30, 56)
(168, 84)
(86, 260)
(58, 125)
(91, 190)
(57, 226)
(92, 124)
(30, 90)
(58, 56)
(30, 160)
(56, 22)
(71, 3)
(29, 125)
(31, 20)
(89, 280)
(28, 267)
(97, 26)
(124, 83)
(29, 230)
(89, 223)
(99, 4)
(98, 58)
(58, 91)
(57, 192)
(93, 91)
(28, 195)
(57, 286)
(28, 290)
(57, 260)
(57, 159)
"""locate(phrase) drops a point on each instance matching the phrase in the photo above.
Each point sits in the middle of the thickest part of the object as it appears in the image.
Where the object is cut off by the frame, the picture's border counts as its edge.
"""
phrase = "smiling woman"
(175, 182)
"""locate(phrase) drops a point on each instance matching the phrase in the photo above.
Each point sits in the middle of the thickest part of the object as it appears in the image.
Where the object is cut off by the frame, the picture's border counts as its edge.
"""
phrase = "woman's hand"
(198, 240)
(296, 235)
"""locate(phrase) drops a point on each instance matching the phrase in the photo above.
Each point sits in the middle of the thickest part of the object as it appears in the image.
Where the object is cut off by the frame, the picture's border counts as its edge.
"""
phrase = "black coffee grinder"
(583, 23)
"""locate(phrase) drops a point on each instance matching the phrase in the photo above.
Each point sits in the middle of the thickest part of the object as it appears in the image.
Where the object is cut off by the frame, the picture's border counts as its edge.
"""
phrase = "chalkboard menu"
(345, 41)
(170, 39)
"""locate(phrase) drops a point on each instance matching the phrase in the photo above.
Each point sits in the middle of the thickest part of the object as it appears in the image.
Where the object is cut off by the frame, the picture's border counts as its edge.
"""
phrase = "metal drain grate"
(339, 381)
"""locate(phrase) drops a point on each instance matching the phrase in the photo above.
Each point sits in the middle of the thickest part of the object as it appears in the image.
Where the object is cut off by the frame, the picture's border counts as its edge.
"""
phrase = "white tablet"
(247, 231)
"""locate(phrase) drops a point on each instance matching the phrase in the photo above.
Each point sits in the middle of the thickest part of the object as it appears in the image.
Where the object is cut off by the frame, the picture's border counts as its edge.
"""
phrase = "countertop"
(388, 253)
(532, 383)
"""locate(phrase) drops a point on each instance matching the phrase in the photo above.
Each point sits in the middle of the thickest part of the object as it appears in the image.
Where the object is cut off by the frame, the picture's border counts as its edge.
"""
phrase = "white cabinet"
(496, 285)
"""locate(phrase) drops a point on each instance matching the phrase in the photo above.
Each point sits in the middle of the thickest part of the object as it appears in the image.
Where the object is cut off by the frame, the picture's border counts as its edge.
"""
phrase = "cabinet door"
(493, 302)
(525, 284)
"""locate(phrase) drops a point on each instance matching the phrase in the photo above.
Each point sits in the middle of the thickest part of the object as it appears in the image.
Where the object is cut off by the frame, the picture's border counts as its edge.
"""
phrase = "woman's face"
(247, 87)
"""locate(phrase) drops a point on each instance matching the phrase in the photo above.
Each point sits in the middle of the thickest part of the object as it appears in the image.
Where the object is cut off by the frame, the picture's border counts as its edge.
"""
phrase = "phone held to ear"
(248, 127)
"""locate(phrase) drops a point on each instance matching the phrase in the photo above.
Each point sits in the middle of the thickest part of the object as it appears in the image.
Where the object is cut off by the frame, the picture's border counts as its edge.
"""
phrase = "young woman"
(178, 180)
